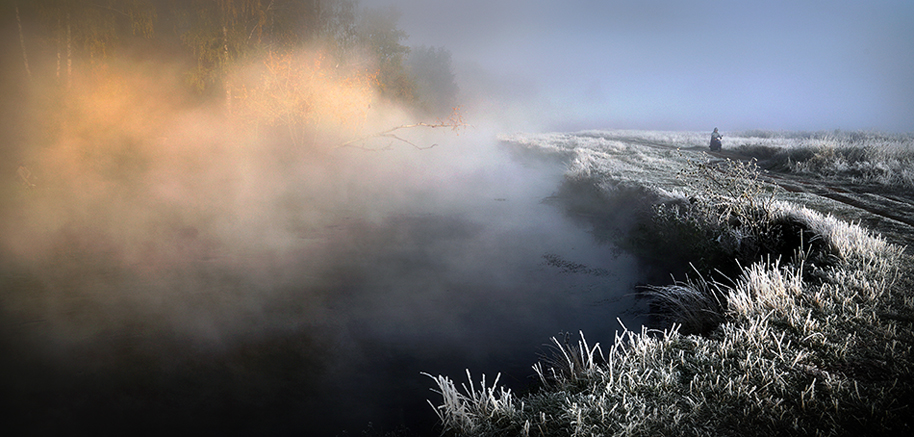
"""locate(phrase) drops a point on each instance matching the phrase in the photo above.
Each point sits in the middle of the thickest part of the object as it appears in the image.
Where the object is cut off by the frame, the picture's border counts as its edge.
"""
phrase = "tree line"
(60, 39)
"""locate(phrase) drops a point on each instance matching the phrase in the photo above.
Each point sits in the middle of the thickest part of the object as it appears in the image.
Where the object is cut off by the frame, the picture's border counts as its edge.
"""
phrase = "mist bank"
(263, 294)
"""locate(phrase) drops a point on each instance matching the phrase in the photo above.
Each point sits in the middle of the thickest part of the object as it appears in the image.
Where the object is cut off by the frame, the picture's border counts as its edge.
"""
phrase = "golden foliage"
(306, 92)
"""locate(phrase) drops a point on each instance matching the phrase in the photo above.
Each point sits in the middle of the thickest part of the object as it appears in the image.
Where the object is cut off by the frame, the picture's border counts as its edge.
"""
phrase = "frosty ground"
(789, 312)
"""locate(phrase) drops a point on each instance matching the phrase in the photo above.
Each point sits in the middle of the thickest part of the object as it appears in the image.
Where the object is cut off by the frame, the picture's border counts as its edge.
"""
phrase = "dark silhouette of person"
(715, 140)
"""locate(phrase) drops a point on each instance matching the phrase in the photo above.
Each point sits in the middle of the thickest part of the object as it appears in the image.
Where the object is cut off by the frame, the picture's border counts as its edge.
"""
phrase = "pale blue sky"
(667, 64)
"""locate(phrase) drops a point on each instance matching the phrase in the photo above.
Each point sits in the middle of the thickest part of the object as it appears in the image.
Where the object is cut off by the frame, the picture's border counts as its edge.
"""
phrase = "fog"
(674, 65)
(171, 264)
(211, 280)
(279, 260)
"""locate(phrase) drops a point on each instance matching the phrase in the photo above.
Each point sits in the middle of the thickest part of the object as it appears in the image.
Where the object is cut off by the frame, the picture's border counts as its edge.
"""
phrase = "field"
(789, 310)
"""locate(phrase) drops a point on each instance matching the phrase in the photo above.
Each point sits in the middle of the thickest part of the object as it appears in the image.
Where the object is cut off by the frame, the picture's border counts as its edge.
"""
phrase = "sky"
(677, 65)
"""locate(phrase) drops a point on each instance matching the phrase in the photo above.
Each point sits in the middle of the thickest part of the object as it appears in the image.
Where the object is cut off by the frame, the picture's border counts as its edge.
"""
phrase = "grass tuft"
(696, 305)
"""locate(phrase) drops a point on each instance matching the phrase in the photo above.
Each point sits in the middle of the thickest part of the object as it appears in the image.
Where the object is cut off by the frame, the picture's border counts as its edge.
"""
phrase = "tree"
(90, 31)
(436, 89)
(378, 33)
(306, 94)
(219, 32)
(222, 33)
(339, 30)
(353, 56)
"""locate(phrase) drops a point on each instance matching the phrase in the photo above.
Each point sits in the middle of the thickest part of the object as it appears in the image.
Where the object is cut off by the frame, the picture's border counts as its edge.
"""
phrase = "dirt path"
(891, 214)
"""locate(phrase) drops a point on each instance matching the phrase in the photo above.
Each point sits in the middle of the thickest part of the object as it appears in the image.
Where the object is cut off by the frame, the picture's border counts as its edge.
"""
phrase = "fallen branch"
(455, 122)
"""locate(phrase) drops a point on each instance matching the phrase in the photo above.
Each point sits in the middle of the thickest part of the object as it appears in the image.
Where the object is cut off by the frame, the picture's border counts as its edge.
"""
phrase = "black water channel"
(326, 337)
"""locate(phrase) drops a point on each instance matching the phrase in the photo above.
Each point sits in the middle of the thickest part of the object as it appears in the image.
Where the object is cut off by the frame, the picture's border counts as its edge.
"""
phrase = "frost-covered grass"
(789, 358)
(857, 157)
(810, 339)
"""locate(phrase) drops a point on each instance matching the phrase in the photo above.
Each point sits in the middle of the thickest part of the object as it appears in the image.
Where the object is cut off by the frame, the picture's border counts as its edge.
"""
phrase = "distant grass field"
(885, 160)
(790, 321)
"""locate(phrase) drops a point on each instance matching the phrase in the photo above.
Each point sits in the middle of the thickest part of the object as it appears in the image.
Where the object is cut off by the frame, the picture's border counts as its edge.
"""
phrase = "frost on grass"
(788, 360)
(885, 160)
(814, 340)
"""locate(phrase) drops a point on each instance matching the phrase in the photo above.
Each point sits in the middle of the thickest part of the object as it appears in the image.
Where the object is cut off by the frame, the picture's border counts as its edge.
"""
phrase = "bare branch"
(455, 122)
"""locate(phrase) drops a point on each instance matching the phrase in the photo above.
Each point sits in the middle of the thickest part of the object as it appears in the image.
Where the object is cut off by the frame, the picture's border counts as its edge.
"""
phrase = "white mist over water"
(178, 267)
(305, 294)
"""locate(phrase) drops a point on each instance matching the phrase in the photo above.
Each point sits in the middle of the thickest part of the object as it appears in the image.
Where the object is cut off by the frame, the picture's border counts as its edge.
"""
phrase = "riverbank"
(808, 332)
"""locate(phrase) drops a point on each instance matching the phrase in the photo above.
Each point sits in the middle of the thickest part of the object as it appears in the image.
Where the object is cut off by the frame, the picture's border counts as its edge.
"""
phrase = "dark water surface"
(325, 336)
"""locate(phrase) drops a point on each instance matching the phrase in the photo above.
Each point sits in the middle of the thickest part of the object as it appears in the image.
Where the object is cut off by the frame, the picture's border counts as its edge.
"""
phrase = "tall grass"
(813, 338)
(885, 160)
(789, 359)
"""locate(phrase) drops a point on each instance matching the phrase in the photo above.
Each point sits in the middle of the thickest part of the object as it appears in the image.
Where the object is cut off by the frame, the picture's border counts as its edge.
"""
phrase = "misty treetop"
(436, 86)
(63, 39)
